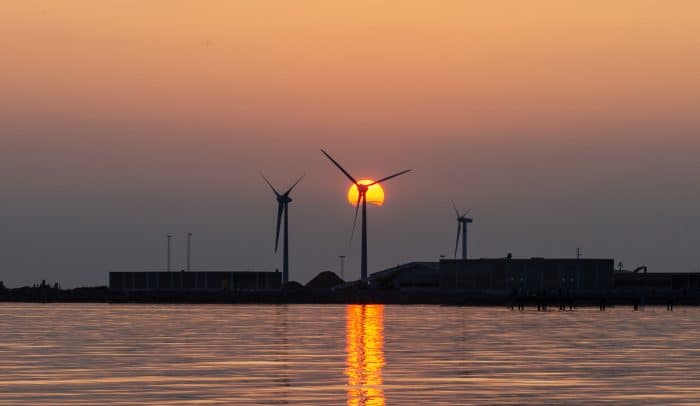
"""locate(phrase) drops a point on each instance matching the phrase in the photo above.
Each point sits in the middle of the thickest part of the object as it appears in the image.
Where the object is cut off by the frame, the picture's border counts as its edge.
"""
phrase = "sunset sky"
(562, 124)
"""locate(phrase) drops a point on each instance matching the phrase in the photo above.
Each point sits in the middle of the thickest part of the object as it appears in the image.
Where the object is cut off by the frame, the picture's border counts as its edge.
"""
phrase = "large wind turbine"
(362, 199)
(283, 201)
(462, 221)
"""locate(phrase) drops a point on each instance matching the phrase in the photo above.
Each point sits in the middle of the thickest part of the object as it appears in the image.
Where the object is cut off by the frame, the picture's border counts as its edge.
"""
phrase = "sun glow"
(375, 193)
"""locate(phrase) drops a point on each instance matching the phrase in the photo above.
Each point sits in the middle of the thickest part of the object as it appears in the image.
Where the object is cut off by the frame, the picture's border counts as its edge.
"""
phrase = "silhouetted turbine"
(462, 221)
(283, 201)
(361, 199)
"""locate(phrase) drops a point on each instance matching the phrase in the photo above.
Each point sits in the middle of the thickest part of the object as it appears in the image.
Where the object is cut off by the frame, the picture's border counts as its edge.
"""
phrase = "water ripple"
(82, 354)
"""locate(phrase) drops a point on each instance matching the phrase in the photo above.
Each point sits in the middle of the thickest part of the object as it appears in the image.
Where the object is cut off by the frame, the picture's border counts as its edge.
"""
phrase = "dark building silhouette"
(540, 277)
(659, 282)
(544, 275)
(412, 276)
(194, 281)
(499, 275)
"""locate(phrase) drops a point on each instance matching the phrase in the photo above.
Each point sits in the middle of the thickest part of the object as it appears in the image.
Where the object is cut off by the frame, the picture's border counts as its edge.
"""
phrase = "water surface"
(359, 355)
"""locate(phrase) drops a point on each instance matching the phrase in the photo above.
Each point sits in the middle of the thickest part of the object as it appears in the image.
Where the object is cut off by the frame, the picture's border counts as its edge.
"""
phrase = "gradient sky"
(563, 124)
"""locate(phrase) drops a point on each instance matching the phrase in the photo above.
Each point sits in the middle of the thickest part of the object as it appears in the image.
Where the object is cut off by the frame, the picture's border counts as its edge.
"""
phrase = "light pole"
(342, 267)
(189, 252)
(170, 238)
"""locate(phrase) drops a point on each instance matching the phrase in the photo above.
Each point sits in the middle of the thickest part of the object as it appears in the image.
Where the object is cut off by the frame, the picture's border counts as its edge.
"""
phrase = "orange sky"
(154, 116)
(419, 65)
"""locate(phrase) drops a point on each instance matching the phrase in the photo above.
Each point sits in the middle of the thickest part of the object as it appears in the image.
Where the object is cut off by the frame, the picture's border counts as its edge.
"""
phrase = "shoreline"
(354, 296)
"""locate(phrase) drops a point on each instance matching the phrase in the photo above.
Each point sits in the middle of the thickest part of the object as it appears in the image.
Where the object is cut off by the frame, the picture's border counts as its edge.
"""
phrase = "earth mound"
(292, 285)
(325, 280)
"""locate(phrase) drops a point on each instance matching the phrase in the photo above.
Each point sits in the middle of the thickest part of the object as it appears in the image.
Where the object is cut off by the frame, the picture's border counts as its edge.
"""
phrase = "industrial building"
(194, 281)
(683, 283)
(413, 276)
(548, 277)
(500, 275)
(543, 275)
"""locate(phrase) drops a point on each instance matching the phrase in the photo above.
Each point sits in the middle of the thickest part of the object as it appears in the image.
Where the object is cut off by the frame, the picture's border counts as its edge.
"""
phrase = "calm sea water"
(355, 355)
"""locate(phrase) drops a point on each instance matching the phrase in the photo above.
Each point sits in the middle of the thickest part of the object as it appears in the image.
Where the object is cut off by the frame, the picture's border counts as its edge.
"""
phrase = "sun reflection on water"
(365, 354)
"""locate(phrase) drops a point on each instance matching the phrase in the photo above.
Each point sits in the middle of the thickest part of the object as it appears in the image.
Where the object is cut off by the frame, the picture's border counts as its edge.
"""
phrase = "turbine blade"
(389, 177)
(357, 208)
(466, 212)
(295, 183)
(455, 207)
(339, 167)
(459, 228)
(280, 210)
(270, 184)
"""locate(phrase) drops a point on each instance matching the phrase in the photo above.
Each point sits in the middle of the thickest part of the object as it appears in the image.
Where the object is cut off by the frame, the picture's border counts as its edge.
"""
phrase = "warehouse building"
(543, 275)
(663, 282)
(413, 276)
(194, 281)
(500, 275)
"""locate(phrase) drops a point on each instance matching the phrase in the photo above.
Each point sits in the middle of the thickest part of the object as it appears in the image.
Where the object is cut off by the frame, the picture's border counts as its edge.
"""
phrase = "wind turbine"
(283, 201)
(362, 199)
(462, 221)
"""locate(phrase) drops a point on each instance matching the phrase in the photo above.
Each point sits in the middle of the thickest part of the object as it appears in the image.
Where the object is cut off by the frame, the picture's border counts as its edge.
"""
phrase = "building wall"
(529, 275)
(658, 281)
(196, 281)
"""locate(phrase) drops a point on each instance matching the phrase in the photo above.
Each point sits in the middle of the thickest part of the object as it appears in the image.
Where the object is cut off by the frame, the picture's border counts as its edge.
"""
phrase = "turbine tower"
(362, 199)
(283, 201)
(462, 221)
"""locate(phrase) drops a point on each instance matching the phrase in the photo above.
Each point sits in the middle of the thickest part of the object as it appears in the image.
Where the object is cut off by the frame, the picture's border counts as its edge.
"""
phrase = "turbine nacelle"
(462, 218)
(284, 199)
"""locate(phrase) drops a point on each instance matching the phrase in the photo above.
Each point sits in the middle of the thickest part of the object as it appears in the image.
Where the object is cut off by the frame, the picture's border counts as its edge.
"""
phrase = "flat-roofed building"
(555, 276)
(545, 275)
(657, 281)
(194, 281)
(413, 276)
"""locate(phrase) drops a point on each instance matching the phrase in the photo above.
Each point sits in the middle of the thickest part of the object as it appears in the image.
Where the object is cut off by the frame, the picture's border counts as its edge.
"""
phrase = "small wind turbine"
(362, 199)
(283, 201)
(462, 221)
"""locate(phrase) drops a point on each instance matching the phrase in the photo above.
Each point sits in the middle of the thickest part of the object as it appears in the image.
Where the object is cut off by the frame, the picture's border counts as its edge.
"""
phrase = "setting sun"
(375, 193)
